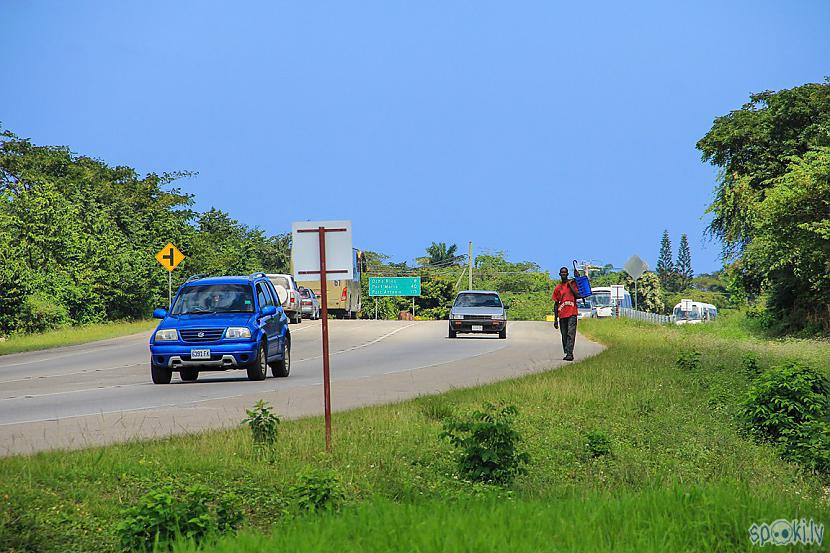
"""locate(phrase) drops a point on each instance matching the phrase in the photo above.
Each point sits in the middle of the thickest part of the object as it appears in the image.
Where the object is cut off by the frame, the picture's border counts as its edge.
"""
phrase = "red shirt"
(567, 301)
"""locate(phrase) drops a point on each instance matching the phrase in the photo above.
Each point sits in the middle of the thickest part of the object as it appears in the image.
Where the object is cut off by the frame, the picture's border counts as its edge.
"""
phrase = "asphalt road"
(100, 393)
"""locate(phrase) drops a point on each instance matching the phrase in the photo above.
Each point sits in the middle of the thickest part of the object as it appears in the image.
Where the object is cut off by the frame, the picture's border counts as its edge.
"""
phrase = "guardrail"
(655, 318)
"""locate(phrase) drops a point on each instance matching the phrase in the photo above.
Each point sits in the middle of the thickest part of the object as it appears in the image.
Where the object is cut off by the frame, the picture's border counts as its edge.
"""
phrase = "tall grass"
(677, 518)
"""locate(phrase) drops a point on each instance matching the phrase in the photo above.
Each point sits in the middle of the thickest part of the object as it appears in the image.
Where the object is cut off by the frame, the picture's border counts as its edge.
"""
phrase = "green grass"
(680, 476)
(678, 518)
(73, 335)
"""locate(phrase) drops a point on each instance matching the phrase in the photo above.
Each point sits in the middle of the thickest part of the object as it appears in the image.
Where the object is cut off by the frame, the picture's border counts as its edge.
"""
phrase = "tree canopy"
(78, 238)
(771, 207)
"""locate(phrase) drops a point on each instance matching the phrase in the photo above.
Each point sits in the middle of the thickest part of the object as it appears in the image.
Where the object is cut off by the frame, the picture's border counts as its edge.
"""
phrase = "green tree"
(683, 267)
(78, 238)
(665, 265)
(649, 292)
(770, 206)
(441, 255)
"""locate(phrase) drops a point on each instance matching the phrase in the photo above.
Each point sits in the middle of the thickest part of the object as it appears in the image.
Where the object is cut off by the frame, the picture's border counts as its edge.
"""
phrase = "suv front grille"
(477, 317)
(202, 334)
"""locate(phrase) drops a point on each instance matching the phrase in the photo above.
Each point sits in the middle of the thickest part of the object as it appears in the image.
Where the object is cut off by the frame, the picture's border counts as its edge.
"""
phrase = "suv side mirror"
(269, 310)
(159, 313)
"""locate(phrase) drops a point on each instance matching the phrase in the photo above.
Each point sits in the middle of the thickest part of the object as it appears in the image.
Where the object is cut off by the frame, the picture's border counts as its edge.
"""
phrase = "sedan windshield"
(478, 300)
(214, 298)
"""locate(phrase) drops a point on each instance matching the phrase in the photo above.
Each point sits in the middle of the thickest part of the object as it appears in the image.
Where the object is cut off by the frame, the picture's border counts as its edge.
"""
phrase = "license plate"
(197, 354)
(478, 328)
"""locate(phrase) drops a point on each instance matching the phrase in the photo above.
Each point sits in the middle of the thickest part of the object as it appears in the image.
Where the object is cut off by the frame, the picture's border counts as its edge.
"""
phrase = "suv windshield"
(214, 298)
(477, 300)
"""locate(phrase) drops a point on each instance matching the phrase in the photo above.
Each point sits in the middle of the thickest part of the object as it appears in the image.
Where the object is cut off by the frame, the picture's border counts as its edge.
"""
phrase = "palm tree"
(439, 255)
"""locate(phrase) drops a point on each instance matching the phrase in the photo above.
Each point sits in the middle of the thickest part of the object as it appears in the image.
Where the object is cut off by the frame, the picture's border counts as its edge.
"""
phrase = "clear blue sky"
(548, 130)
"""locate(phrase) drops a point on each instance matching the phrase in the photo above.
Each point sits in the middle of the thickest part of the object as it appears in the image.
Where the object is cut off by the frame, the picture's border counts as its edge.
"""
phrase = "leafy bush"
(488, 441)
(40, 312)
(789, 406)
(597, 444)
(164, 513)
(317, 490)
(263, 424)
(688, 361)
(749, 365)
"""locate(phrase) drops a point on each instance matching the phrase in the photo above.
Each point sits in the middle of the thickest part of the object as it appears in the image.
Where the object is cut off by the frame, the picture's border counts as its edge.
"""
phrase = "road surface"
(100, 393)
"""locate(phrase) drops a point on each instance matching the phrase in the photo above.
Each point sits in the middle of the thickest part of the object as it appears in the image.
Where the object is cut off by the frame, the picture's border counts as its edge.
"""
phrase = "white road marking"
(33, 377)
(375, 341)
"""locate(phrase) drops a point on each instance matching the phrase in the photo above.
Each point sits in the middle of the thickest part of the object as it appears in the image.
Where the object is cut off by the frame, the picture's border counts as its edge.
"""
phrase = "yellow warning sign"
(170, 256)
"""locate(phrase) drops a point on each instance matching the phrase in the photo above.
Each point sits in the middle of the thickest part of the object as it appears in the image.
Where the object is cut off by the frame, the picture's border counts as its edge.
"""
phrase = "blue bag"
(582, 283)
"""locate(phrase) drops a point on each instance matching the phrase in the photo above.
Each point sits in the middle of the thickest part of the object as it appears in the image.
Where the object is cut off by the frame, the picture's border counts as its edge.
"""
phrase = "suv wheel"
(258, 370)
(161, 375)
(280, 369)
(189, 375)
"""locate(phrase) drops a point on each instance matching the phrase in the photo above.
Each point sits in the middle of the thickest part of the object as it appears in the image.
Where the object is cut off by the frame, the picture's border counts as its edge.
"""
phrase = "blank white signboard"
(305, 250)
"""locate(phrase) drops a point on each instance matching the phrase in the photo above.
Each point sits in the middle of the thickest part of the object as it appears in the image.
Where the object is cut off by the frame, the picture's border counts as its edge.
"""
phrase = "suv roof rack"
(194, 277)
(256, 275)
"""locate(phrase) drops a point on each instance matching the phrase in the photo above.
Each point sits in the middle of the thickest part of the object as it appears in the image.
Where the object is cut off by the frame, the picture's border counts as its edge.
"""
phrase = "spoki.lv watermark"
(787, 532)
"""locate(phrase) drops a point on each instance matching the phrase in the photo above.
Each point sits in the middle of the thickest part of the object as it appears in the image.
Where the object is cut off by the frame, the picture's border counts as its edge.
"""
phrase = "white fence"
(655, 318)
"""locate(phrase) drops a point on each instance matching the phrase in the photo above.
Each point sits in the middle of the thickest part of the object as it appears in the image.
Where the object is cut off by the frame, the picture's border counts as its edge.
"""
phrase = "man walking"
(565, 312)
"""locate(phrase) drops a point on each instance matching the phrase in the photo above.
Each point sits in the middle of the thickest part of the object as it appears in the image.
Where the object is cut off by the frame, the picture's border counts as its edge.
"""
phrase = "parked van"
(604, 301)
(694, 312)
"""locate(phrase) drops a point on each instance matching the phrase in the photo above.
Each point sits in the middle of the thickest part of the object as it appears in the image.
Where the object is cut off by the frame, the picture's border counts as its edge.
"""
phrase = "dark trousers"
(567, 327)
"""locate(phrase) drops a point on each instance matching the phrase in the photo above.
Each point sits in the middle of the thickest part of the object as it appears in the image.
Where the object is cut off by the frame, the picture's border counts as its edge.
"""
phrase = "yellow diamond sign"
(170, 256)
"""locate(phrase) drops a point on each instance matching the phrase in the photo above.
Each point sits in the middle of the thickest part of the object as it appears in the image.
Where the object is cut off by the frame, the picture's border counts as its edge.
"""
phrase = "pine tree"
(684, 263)
(665, 266)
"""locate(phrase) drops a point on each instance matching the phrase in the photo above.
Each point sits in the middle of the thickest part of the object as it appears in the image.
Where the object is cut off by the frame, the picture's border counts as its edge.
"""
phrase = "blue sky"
(550, 130)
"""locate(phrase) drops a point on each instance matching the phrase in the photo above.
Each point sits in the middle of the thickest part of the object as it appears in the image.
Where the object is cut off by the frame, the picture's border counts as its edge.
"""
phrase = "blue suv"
(221, 323)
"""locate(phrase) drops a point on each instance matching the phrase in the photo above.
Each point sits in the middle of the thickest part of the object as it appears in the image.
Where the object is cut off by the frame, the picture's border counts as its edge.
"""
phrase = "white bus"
(604, 300)
(694, 312)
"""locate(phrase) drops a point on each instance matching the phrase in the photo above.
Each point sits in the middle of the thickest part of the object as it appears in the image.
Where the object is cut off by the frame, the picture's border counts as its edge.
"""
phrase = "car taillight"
(343, 295)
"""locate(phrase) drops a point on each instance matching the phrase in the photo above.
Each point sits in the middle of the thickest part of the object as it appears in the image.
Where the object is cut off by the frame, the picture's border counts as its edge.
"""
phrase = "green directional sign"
(395, 286)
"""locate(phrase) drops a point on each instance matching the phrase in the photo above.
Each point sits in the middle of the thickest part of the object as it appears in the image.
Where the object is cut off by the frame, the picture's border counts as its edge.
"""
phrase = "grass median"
(677, 475)
(73, 335)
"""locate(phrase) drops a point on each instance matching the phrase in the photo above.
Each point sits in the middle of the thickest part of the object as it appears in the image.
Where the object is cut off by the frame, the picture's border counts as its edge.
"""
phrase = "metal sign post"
(305, 263)
(635, 267)
(169, 257)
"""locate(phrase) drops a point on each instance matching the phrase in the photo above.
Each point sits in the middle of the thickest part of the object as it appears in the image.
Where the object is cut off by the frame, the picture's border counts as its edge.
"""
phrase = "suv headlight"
(166, 335)
(456, 316)
(237, 332)
(498, 317)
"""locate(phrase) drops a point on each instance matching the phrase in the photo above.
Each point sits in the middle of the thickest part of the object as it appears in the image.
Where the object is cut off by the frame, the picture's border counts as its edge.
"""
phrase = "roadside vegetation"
(74, 335)
(78, 239)
(645, 447)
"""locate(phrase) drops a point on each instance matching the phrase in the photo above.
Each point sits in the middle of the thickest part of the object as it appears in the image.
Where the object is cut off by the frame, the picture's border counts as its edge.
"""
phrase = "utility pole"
(470, 255)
